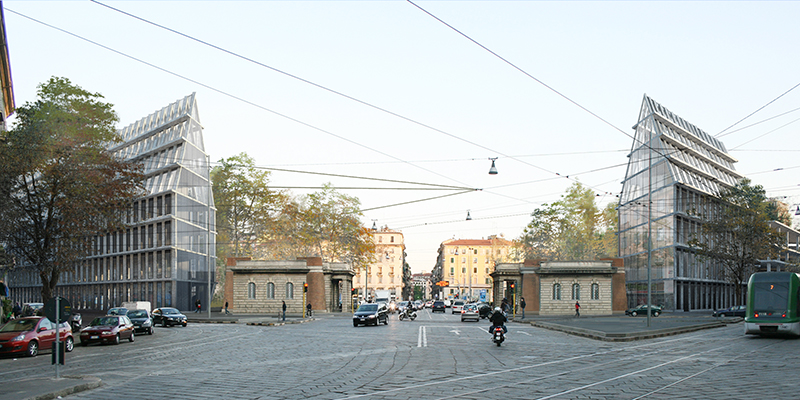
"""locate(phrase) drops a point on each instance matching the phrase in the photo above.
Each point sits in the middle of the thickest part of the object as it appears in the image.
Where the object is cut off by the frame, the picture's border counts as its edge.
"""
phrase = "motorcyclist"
(498, 318)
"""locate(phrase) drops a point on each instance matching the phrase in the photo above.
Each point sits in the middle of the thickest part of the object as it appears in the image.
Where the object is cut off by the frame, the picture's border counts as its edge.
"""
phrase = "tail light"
(756, 315)
(783, 315)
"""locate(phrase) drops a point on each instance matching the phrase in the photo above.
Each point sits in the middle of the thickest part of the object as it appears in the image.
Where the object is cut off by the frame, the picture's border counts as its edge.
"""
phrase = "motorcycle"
(75, 322)
(498, 336)
(407, 313)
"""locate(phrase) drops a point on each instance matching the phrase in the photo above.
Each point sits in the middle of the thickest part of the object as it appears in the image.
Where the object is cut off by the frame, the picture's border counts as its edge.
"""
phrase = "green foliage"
(60, 184)
(736, 232)
(573, 228)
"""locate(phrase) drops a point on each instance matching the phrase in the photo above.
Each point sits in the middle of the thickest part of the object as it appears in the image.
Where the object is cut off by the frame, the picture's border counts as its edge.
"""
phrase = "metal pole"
(649, 220)
(208, 234)
(58, 353)
(469, 262)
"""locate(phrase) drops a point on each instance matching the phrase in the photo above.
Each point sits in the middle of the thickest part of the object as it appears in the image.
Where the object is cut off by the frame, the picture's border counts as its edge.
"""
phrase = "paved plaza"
(434, 357)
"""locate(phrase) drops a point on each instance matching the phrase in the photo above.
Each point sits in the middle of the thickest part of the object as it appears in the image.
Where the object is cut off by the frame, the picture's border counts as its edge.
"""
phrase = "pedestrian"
(17, 310)
(226, 308)
(577, 309)
(197, 305)
(522, 305)
(283, 307)
(308, 310)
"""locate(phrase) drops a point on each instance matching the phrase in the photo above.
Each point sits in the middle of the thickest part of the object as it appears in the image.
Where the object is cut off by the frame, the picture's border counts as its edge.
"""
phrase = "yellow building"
(386, 272)
(466, 265)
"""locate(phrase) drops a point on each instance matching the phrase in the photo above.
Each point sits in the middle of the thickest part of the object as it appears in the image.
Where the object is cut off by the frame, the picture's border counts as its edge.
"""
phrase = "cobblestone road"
(434, 357)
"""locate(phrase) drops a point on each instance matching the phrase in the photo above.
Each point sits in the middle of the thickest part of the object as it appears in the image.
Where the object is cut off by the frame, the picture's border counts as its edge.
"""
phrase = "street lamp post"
(469, 264)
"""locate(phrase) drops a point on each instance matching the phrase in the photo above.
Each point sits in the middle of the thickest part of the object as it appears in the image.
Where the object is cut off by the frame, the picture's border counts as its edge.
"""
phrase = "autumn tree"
(736, 233)
(572, 228)
(60, 185)
(247, 209)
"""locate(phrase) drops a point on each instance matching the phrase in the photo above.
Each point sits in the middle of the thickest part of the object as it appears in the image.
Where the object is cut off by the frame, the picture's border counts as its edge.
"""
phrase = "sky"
(387, 90)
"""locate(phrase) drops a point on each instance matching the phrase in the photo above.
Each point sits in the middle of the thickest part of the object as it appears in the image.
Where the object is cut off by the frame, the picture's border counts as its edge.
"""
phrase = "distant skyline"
(456, 104)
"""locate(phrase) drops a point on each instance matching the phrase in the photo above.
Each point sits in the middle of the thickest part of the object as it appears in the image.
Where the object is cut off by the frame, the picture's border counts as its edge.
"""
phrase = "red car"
(108, 329)
(28, 335)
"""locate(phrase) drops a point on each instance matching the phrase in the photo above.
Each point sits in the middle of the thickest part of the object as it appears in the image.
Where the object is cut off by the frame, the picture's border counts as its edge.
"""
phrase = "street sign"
(64, 310)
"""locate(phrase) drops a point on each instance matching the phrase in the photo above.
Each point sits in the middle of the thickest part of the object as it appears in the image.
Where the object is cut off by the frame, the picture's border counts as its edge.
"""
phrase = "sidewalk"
(622, 328)
(48, 388)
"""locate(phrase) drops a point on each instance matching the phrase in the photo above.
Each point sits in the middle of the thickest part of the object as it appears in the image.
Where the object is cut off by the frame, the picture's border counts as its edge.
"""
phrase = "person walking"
(226, 308)
(577, 309)
(283, 307)
(522, 305)
(197, 305)
(308, 310)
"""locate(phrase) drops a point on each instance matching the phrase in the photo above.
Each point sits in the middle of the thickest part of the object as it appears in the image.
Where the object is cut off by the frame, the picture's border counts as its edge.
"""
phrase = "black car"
(438, 305)
(484, 310)
(142, 321)
(168, 317)
(642, 310)
(735, 311)
(370, 314)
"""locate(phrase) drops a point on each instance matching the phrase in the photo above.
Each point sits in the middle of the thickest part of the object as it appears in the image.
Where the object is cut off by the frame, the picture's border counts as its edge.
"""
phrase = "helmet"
(497, 309)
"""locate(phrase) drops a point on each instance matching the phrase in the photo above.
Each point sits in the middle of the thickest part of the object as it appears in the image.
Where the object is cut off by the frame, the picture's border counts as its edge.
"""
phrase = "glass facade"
(164, 254)
(674, 168)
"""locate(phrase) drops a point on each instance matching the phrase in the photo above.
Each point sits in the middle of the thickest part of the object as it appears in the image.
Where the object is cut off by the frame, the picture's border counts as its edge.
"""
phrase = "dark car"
(438, 305)
(108, 329)
(168, 316)
(142, 321)
(117, 311)
(370, 314)
(484, 310)
(28, 335)
(735, 311)
(642, 310)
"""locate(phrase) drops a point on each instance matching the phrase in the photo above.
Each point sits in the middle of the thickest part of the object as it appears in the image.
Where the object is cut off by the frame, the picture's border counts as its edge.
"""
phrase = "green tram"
(772, 304)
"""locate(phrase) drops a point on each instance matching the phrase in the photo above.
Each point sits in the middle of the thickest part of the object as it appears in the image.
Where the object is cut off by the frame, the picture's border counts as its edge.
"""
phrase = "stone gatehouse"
(258, 286)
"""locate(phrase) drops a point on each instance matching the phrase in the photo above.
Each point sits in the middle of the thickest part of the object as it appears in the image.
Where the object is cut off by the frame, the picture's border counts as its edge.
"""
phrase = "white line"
(419, 337)
(424, 336)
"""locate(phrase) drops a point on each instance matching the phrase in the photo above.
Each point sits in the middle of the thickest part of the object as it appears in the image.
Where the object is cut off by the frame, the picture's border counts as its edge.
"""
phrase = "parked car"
(32, 309)
(117, 311)
(470, 311)
(457, 306)
(168, 316)
(142, 321)
(642, 310)
(438, 305)
(370, 314)
(108, 329)
(735, 311)
(28, 335)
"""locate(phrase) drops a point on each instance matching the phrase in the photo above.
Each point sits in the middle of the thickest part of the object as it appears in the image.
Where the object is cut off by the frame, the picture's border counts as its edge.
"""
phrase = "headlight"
(18, 338)
(108, 333)
(372, 316)
(146, 323)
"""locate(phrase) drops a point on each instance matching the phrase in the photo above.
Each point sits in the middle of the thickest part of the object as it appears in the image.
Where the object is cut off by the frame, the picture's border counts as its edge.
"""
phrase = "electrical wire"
(759, 109)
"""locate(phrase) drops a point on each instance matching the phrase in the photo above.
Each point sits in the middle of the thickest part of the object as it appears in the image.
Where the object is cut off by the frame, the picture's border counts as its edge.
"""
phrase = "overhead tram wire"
(759, 109)
(224, 93)
(453, 136)
(756, 123)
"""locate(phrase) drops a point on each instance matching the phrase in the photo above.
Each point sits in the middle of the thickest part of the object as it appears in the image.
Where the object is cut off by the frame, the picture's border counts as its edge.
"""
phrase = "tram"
(772, 304)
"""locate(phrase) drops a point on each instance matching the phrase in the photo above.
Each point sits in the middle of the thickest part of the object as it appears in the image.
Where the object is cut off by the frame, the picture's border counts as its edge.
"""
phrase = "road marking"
(523, 332)
(456, 331)
(422, 337)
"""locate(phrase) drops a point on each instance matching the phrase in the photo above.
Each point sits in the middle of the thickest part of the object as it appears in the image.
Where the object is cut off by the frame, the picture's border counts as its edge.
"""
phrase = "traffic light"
(354, 292)
(512, 286)
(305, 287)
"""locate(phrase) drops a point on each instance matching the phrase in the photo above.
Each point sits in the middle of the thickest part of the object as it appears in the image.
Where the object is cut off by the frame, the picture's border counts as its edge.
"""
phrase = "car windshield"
(137, 314)
(367, 307)
(19, 325)
(105, 321)
(168, 311)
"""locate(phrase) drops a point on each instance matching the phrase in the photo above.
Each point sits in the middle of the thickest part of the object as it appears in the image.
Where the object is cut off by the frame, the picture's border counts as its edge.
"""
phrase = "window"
(270, 290)
(452, 270)
(463, 260)
(556, 291)
(595, 291)
(391, 239)
(452, 260)
(463, 270)
(576, 291)
(289, 290)
(251, 290)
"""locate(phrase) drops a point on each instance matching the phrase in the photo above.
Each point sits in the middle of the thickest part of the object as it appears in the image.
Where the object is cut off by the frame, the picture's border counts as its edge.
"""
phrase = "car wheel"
(116, 339)
(132, 338)
(633, 313)
(184, 325)
(386, 320)
(722, 315)
(150, 331)
(33, 348)
(355, 324)
(655, 314)
(69, 345)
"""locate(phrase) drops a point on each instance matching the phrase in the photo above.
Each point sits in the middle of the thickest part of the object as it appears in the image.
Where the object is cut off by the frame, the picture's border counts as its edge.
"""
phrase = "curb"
(626, 337)
(89, 383)
(205, 321)
(302, 321)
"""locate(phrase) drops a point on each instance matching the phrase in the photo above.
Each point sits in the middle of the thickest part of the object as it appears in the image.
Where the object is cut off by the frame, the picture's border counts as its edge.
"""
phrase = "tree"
(60, 183)
(736, 233)
(246, 208)
(573, 228)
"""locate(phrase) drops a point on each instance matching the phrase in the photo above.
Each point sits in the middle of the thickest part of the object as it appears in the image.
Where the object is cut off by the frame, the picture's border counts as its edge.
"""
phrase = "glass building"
(164, 254)
(674, 167)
